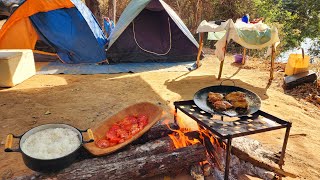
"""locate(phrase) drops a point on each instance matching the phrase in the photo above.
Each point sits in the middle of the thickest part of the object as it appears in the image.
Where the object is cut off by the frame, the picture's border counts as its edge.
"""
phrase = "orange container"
(297, 63)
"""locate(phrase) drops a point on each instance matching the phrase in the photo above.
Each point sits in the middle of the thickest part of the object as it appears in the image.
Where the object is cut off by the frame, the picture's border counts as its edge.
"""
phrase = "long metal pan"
(201, 100)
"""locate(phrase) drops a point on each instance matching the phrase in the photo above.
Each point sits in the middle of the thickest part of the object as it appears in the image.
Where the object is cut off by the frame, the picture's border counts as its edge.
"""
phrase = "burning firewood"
(139, 161)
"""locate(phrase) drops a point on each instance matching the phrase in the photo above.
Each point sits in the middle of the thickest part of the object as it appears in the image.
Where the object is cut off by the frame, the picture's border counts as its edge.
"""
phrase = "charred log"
(157, 131)
(123, 166)
(246, 157)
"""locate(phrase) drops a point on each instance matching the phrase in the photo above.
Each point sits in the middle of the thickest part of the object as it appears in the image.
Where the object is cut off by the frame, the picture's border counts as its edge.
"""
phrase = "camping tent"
(66, 25)
(149, 30)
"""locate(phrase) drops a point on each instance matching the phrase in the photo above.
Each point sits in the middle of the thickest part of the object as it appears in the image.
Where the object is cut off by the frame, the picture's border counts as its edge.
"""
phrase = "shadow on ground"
(83, 102)
(188, 86)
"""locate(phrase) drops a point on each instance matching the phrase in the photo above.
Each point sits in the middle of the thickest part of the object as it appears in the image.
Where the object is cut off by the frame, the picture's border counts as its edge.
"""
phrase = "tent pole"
(200, 48)
(272, 62)
(114, 10)
(244, 55)
(221, 63)
(44, 53)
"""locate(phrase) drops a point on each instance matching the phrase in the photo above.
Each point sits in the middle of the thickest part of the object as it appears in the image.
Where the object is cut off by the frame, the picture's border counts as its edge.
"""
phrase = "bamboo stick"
(200, 49)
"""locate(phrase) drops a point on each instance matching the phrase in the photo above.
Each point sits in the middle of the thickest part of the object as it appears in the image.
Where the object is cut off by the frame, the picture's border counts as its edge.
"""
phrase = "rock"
(47, 113)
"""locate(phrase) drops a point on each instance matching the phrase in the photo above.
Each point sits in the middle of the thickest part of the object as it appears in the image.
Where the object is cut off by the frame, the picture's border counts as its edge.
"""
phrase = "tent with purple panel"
(150, 31)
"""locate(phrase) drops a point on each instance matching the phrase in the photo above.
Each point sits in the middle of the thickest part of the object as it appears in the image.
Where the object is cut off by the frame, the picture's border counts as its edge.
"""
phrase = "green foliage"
(295, 19)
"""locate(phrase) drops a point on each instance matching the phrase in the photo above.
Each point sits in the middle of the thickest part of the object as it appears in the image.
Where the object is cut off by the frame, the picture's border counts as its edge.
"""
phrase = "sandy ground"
(85, 100)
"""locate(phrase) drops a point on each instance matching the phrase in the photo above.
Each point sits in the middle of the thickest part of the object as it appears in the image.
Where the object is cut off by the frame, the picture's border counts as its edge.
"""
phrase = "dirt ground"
(85, 100)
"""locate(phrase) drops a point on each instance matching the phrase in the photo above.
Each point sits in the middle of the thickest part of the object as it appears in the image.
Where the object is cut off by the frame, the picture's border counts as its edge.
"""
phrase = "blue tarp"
(73, 32)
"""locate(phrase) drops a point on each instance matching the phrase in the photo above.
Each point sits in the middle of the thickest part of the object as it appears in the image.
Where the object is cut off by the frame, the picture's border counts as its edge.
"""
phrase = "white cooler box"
(16, 65)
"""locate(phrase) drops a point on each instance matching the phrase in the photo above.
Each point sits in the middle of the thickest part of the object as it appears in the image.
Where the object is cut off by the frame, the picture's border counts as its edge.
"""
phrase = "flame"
(180, 139)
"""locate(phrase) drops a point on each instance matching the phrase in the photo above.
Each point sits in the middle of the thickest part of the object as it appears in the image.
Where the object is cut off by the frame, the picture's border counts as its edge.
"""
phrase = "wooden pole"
(272, 62)
(200, 48)
(244, 55)
(221, 63)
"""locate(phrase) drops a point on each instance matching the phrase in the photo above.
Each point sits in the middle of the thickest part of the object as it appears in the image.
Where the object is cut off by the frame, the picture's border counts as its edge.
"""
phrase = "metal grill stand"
(258, 122)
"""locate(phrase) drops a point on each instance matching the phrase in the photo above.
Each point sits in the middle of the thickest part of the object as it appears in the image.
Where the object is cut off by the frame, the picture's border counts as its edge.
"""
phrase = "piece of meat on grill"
(222, 105)
(241, 103)
(235, 96)
(213, 97)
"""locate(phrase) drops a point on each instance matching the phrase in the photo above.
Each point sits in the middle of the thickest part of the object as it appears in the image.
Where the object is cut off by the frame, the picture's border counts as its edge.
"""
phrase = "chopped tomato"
(112, 144)
(123, 130)
(126, 125)
(132, 119)
(102, 143)
(114, 127)
(121, 133)
(142, 117)
(134, 129)
(115, 140)
(143, 121)
(111, 134)
(121, 140)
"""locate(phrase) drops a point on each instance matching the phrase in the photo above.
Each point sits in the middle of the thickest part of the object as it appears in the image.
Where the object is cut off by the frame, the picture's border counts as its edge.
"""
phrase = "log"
(144, 167)
(157, 131)
(246, 157)
(144, 161)
(170, 162)
(298, 79)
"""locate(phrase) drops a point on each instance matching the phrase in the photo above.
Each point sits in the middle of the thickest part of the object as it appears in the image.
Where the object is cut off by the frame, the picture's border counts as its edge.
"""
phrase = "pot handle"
(9, 141)
(234, 84)
(90, 134)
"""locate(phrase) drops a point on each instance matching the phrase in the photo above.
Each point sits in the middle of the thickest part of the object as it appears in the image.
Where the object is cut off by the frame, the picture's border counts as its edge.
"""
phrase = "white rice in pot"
(51, 143)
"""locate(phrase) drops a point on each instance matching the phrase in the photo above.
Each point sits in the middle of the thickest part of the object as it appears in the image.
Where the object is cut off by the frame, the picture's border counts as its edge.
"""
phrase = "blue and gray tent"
(150, 31)
(66, 25)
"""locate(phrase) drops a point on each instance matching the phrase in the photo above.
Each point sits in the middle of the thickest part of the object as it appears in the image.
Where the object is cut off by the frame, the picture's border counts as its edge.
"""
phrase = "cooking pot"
(47, 165)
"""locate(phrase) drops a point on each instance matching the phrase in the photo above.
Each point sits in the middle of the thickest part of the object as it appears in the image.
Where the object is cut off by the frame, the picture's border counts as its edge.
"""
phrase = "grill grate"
(232, 127)
(225, 127)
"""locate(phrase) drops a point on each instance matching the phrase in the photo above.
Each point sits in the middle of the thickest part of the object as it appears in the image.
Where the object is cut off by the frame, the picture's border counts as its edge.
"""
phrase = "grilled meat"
(222, 105)
(213, 97)
(241, 103)
(235, 96)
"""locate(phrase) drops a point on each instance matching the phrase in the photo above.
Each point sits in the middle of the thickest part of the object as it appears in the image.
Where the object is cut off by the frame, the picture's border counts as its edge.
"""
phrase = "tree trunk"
(93, 5)
(110, 9)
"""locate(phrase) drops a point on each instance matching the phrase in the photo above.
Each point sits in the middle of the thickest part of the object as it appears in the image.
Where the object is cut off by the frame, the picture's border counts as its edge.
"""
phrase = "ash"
(239, 167)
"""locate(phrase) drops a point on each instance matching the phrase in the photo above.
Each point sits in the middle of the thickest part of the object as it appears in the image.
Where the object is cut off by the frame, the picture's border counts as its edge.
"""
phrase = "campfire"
(171, 147)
